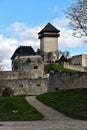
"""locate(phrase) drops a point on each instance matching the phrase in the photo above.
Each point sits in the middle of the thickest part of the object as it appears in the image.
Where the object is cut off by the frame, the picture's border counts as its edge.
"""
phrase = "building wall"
(84, 60)
(49, 47)
(49, 44)
(79, 60)
(75, 67)
(30, 67)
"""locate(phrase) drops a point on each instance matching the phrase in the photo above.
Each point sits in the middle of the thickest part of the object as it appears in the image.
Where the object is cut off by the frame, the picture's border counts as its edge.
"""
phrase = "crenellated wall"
(8, 75)
(67, 80)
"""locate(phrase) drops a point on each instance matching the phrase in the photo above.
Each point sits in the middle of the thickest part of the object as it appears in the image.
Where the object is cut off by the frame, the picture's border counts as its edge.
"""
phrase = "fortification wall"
(27, 86)
(8, 75)
(75, 67)
(67, 80)
(30, 67)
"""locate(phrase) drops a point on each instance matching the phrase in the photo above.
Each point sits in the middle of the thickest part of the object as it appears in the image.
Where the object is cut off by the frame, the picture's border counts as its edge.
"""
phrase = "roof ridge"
(49, 28)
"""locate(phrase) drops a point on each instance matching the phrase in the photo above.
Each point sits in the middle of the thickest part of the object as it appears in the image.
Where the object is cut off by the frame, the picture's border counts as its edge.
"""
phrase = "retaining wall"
(67, 80)
(26, 86)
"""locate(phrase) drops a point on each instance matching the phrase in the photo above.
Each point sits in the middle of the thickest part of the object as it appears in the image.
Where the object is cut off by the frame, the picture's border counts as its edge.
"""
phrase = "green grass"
(57, 67)
(72, 103)
(17, 109)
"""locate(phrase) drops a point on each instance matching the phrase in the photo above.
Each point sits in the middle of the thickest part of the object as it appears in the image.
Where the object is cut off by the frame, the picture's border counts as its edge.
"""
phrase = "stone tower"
(49, 43)
(27, 63)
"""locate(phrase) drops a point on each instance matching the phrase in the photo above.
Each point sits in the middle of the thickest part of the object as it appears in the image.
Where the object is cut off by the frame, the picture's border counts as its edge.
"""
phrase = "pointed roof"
(23, 51)
(49, 28)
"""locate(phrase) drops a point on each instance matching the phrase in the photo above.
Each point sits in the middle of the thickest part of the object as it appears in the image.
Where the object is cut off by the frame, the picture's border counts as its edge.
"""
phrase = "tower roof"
(23, 51)
(49, 28)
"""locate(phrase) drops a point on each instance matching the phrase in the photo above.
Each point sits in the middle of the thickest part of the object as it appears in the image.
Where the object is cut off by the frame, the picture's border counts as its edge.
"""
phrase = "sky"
(21, 20)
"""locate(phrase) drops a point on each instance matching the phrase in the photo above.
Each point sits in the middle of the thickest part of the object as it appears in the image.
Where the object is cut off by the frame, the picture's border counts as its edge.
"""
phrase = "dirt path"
(48, 112)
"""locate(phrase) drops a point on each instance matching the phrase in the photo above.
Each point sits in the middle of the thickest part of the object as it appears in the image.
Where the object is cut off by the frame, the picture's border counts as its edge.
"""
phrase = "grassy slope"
(25, 112)
(72, 103)
(57, 67)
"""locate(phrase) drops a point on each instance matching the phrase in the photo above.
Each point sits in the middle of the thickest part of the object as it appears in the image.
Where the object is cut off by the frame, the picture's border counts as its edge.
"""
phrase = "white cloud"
(7, 47)
(16, 27)
(61, 23)
(66, 40)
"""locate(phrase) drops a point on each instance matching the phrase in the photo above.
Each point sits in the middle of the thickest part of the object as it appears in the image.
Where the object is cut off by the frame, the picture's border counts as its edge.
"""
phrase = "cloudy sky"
(21, 20)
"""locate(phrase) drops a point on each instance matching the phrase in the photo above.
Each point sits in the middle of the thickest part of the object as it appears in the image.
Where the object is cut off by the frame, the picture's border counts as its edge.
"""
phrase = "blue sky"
(33, 12)
(21, 20)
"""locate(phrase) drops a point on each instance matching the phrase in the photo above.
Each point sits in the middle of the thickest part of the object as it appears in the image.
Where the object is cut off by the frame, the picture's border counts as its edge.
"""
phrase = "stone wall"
(75, 67)
(67, 80)
(27, 86)
(30, 67)
(26, 78)
(8, 75)
(79, 60)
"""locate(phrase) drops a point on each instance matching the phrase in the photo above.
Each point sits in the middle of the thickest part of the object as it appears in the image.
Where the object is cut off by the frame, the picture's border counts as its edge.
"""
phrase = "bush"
(7, 92)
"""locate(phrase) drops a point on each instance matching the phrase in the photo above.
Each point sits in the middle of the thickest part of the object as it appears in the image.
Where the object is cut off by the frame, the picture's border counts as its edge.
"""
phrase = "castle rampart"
(67, 80)
(9, 75)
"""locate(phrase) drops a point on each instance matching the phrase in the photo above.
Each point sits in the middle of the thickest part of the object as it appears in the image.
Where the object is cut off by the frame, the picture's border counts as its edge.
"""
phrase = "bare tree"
(77, 12)
(66, 54)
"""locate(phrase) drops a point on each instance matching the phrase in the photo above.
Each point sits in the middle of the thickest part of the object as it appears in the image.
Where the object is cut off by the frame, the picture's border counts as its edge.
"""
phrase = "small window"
(35, 67)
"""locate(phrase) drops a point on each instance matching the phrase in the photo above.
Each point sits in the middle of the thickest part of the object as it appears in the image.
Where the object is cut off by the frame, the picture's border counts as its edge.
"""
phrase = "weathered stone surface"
(27, 79)
(26, 86)
(75, 67)
(67, 80)
(8, 75)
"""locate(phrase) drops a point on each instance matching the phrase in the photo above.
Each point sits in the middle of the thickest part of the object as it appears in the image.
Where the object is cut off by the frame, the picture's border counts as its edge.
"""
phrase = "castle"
(27, 76)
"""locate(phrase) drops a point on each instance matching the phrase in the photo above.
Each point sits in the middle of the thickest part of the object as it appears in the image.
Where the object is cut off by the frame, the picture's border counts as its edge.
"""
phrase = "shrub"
(7, 92)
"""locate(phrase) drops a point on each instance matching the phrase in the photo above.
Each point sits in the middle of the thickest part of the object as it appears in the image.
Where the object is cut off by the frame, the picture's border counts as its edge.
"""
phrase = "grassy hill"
(72, 103)
(57, 67)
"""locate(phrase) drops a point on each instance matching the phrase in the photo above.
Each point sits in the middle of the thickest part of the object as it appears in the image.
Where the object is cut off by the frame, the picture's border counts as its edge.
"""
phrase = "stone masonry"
(27, 76)
(67, 80)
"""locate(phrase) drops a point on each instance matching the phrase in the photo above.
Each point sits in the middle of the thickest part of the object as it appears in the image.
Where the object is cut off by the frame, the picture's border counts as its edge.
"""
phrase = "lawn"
(17, 109)
(72, 103)
(57, 67)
